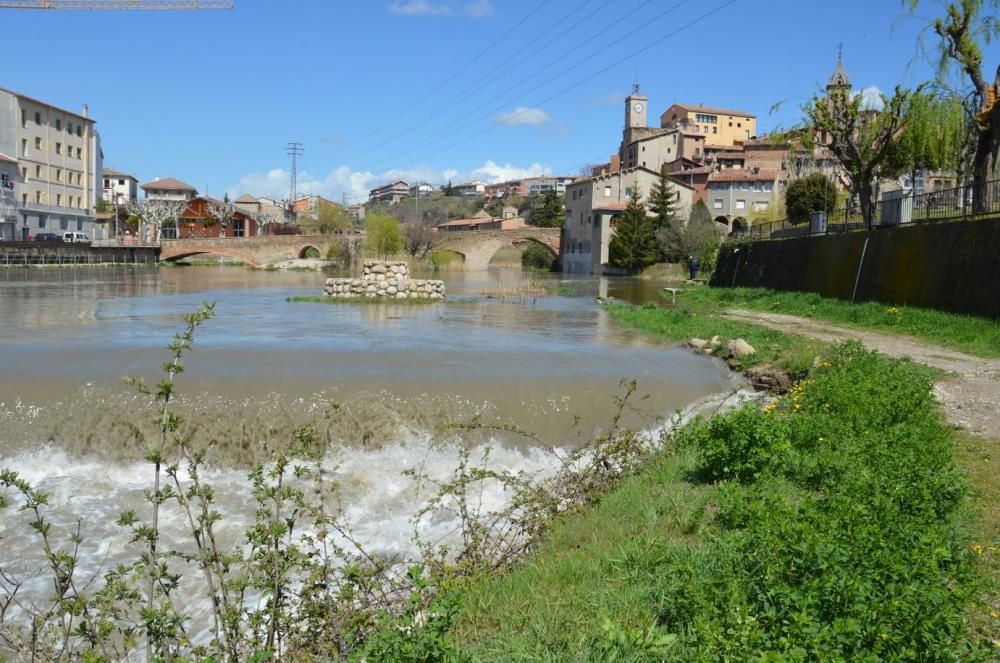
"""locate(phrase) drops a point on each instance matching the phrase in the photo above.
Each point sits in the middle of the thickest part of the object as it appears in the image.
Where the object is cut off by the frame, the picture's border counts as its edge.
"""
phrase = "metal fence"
(901, 209)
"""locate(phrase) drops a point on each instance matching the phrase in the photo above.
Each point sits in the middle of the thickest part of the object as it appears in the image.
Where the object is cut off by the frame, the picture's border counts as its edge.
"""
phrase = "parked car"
(75, 237)
(48, 237)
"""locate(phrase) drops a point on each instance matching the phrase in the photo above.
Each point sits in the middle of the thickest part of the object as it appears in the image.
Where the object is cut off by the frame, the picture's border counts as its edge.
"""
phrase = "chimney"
(86, 111)
(616, 163)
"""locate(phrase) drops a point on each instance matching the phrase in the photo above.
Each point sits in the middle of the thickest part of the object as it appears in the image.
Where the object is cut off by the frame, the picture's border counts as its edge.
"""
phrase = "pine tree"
(633, 246)
(551, 213)
(667, 227)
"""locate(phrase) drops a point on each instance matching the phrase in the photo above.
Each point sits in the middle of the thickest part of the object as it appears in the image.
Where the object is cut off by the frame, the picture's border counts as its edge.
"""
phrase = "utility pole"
(294, 150)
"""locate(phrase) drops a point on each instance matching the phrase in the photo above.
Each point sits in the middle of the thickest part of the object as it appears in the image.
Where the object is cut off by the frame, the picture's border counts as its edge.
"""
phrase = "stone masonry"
(385, 280)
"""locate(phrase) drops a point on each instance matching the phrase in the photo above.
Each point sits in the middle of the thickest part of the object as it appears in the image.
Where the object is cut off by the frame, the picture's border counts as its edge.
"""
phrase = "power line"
(434, 137)
(589, 77)
(462, 69)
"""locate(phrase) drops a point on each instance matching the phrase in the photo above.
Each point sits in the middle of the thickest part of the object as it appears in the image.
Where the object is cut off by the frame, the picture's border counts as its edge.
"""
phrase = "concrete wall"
(947, 266)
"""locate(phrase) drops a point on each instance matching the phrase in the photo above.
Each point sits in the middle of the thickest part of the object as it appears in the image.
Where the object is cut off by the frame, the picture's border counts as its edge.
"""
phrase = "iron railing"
(906, 209)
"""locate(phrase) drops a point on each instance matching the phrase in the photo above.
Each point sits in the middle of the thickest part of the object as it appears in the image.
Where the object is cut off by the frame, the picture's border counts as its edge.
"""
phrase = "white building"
(50, 165)
(169, 189)
(473, 188)
(421, 189)
(119, 188)
(535, 186)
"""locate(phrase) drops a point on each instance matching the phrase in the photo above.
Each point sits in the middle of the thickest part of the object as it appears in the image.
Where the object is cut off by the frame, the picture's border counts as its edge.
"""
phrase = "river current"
(264, 366)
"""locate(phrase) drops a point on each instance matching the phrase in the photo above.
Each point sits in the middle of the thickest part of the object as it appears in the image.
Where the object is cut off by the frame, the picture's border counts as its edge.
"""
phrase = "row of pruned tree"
(150, 217)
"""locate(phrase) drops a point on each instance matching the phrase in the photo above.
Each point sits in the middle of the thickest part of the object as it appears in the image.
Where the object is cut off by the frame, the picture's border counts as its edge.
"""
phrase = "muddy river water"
(264, 366)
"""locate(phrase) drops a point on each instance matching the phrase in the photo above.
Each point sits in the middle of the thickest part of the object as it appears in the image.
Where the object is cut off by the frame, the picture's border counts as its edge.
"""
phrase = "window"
(79, 224)
(41, 222)
(24, 119)
(628, 192)
(38, 172)
(741, 204)
(607, 192)
(107, 183)
(58, 175)
(38, 143)
(58, 125)
(121, 182)
(24, 174)
(581, 218)
(38, 118)
(739, 124)
(717, 203)
(643, 148)
(79, 153)
(24, 147)
(58, 148)
(79, 131)
(24, 200)
(715, 130)
(760, 205)
(58, 200)
(705, 128)
(38, 197)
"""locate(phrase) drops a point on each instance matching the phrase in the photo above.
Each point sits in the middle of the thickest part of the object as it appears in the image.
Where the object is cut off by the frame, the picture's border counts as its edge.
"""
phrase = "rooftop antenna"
(294, 150)
(635, 89)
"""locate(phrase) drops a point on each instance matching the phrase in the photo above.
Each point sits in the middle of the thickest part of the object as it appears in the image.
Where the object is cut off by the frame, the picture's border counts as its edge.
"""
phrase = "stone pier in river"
(385, 280)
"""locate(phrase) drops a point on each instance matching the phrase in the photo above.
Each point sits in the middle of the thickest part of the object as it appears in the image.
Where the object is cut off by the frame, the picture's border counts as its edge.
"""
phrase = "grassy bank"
(828, 525)
(977, 336)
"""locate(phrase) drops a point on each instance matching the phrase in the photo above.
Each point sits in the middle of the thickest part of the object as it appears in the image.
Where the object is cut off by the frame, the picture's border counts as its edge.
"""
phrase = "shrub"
(537, 257)
(809, 195)
(742, 444)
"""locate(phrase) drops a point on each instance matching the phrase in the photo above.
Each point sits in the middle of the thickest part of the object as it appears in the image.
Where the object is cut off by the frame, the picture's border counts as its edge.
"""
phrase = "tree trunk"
(867, 204)
(981, 171)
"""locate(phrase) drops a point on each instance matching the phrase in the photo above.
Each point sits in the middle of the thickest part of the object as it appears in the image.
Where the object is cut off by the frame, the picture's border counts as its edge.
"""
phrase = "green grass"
(359, 300)
(978, 336)
(792, 353)
(828, 526)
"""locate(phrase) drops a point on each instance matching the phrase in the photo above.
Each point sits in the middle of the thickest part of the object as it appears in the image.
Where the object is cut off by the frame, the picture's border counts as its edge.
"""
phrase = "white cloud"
(480, 9)
(871, 98)
(523, 116)
(419, 8)
(613, 99)
(357, 184)
(476, 9)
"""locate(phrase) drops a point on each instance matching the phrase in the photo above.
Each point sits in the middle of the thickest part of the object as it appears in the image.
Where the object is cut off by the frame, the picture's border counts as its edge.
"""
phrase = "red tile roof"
(168, 184)
(111, 172)
(744, 175)
(714, 111)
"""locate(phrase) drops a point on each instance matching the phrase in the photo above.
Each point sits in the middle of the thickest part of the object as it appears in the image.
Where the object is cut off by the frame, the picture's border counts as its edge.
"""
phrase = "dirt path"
(970, 399)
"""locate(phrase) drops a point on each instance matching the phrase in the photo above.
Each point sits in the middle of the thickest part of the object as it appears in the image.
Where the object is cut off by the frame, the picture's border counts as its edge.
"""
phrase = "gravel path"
(970, 396)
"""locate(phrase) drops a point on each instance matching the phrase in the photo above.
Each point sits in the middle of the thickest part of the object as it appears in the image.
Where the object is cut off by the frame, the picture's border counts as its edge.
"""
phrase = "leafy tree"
(861, 138)
(102, 206)
(966, 24)
(633, 245)
(809, 195)
(666, 225)
(384, 236)
(701, 237)
(332, 218)
(537, 257)
(550, 213)
(933, 136)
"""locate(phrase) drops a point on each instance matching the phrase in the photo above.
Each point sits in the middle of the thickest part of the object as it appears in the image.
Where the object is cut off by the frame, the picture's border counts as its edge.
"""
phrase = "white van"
(75, 237)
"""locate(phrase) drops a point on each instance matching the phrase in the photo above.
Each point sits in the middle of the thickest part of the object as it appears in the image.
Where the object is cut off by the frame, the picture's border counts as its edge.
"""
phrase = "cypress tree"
(666, 225)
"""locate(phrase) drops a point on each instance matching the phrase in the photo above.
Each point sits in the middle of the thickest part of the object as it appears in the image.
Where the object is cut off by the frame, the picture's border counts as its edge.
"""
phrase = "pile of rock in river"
(388, 280)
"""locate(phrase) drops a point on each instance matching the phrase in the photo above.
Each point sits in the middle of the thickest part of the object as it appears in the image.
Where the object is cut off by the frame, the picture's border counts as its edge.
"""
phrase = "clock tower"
(636, 109)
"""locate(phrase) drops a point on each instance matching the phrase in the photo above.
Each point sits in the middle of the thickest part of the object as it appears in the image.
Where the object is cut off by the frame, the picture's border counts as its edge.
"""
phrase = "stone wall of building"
(388, 280)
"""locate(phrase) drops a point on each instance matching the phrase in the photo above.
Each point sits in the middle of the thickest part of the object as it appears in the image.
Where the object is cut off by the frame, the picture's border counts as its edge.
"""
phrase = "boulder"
(769, 378)
(740, 348)
(698, 343)
(378, 268)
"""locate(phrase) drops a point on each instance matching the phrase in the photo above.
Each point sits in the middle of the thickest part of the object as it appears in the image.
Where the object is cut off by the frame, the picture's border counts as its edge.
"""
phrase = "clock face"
(638, 108)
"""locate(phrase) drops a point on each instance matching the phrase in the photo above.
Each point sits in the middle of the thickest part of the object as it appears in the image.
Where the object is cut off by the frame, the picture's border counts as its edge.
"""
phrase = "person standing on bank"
(693, 267)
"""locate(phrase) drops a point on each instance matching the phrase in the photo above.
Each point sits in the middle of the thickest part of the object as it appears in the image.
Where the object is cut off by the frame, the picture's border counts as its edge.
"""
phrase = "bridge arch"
(304, 249)
(235, 255)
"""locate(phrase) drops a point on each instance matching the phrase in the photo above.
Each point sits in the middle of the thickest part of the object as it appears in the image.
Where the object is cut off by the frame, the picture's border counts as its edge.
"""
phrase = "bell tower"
(839, 81)
(636, 108)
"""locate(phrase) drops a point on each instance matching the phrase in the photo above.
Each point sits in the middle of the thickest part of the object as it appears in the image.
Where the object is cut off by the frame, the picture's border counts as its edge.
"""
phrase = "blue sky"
(432, 89)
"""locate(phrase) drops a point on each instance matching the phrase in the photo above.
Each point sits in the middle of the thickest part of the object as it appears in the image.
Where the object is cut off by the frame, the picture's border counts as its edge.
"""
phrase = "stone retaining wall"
(388, 280)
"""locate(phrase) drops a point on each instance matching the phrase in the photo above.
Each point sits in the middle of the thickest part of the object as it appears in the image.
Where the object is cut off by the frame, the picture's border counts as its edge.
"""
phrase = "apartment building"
(735, 195)
(169, 189)
(470, 189)
(421, 189)
(535, 186)
(720, 126)
(593, 206)
(119, 188)
(392, 192)
(52, 161)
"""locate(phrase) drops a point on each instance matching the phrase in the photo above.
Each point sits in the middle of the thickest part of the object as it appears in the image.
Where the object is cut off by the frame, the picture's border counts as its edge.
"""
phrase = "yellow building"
(720, 126)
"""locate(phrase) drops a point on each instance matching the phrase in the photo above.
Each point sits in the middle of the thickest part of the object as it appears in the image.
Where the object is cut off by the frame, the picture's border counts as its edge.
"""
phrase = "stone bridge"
(256, 251)
(477, 247)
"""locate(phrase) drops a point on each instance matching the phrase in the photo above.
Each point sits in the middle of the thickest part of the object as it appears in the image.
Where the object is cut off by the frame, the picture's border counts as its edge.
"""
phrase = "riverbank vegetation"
(978, 336)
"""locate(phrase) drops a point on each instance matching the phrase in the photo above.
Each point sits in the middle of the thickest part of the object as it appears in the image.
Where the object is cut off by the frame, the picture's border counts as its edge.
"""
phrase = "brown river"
(265, 366)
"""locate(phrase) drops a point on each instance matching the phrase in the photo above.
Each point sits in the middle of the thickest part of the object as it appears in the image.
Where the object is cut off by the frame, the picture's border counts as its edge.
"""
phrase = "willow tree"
(932, 137)
(860, 137)
(966, 25)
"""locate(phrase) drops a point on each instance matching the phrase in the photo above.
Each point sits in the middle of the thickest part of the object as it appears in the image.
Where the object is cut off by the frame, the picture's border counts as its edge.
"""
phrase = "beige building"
(719, 126)
(593, 206)
(170, 190)
(737, 195)
(654, 147)
(119, 188)
(52, 164)
(391, 193)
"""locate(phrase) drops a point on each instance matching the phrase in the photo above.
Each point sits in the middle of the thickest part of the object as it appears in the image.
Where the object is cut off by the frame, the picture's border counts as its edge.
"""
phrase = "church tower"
(636, 108)
(839, 81)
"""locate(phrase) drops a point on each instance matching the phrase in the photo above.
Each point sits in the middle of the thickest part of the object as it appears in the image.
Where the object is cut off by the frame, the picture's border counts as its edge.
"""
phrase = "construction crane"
(116, 4)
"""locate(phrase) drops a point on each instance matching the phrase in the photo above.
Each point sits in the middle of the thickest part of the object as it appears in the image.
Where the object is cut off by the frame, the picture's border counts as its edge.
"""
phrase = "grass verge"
(977, 336)
(826, 526)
